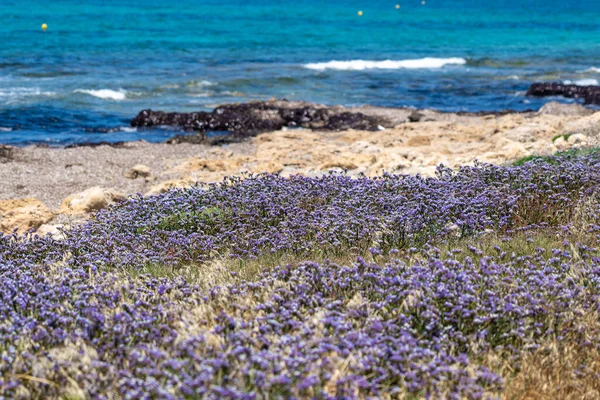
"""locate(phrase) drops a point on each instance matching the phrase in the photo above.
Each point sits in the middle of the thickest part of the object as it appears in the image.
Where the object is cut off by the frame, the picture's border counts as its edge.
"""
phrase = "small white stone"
(577, 138)
(561, 143)
(92, 199)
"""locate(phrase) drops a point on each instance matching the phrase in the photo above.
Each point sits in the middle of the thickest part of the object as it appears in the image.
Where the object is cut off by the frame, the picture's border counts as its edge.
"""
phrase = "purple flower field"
(479, 283)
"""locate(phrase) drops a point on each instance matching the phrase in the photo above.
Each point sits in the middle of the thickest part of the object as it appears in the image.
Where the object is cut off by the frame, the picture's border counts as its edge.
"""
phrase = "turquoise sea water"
(100, 62)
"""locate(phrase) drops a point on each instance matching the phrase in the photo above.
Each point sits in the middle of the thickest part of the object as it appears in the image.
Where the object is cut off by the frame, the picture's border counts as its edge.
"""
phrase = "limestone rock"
(92, 199)
(577, 139)
(391, 162)
(507, 150)
(348, 161)
(514, 150)
(51, 229)
(24, 214)
(138, 171)
(419, 141)
(343, 164)
(556, 108)
(200, 164)
(561, 143)
(165, 186)
(268, 167)
(364, 147)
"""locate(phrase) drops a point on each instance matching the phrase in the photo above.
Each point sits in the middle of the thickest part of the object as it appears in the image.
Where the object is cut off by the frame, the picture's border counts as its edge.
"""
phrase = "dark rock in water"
(350, 120)
(118, 145)
(589, 94)
(249, 119)
(192, 121)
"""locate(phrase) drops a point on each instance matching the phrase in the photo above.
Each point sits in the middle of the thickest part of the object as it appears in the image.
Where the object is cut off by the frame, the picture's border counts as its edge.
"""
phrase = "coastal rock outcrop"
(250, 119)
(92, 199)
(561, 109)
(23, 214)
(589, 94)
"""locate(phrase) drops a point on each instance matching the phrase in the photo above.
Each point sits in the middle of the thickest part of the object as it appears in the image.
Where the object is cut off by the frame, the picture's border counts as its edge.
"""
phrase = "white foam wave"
(203, 83)
(128, 129)
(105, 94)
(5, 129)
(360, 65)
(233, 94)
(594, 70)
(19, 92)
(582, 82)
(205, 94)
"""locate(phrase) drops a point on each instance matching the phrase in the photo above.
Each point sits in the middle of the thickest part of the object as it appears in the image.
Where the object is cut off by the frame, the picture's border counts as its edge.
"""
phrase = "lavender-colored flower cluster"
(269, 214)
(72, 325)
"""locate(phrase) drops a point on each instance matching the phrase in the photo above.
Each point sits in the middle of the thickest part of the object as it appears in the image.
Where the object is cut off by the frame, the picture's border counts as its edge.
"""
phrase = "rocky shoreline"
(245, 120)
(47, 188)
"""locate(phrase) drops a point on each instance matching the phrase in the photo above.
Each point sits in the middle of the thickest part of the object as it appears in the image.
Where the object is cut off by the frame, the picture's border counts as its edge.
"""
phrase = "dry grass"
(567, 369)
(222, 271)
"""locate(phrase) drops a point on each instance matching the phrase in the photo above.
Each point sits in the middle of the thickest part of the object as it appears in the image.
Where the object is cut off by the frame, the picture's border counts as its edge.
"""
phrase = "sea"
(100, 62)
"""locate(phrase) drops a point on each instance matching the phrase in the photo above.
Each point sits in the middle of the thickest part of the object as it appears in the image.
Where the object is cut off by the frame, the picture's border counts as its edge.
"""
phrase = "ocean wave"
(360, 65)
(105, 94)
(5, 129)
(128, 129)
(496, 63)
(19, 92)
(49, 75)
(582, 82)
(232, 93)
(201, 84)
(594, 70)
(205, 94)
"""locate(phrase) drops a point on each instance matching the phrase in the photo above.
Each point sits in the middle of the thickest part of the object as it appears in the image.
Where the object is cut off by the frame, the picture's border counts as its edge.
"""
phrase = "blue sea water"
(102, 61)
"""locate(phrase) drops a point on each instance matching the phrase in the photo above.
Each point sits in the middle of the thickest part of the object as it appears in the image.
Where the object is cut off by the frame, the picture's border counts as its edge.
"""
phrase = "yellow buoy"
(397, 6)
(360, 13)
(44, 27)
